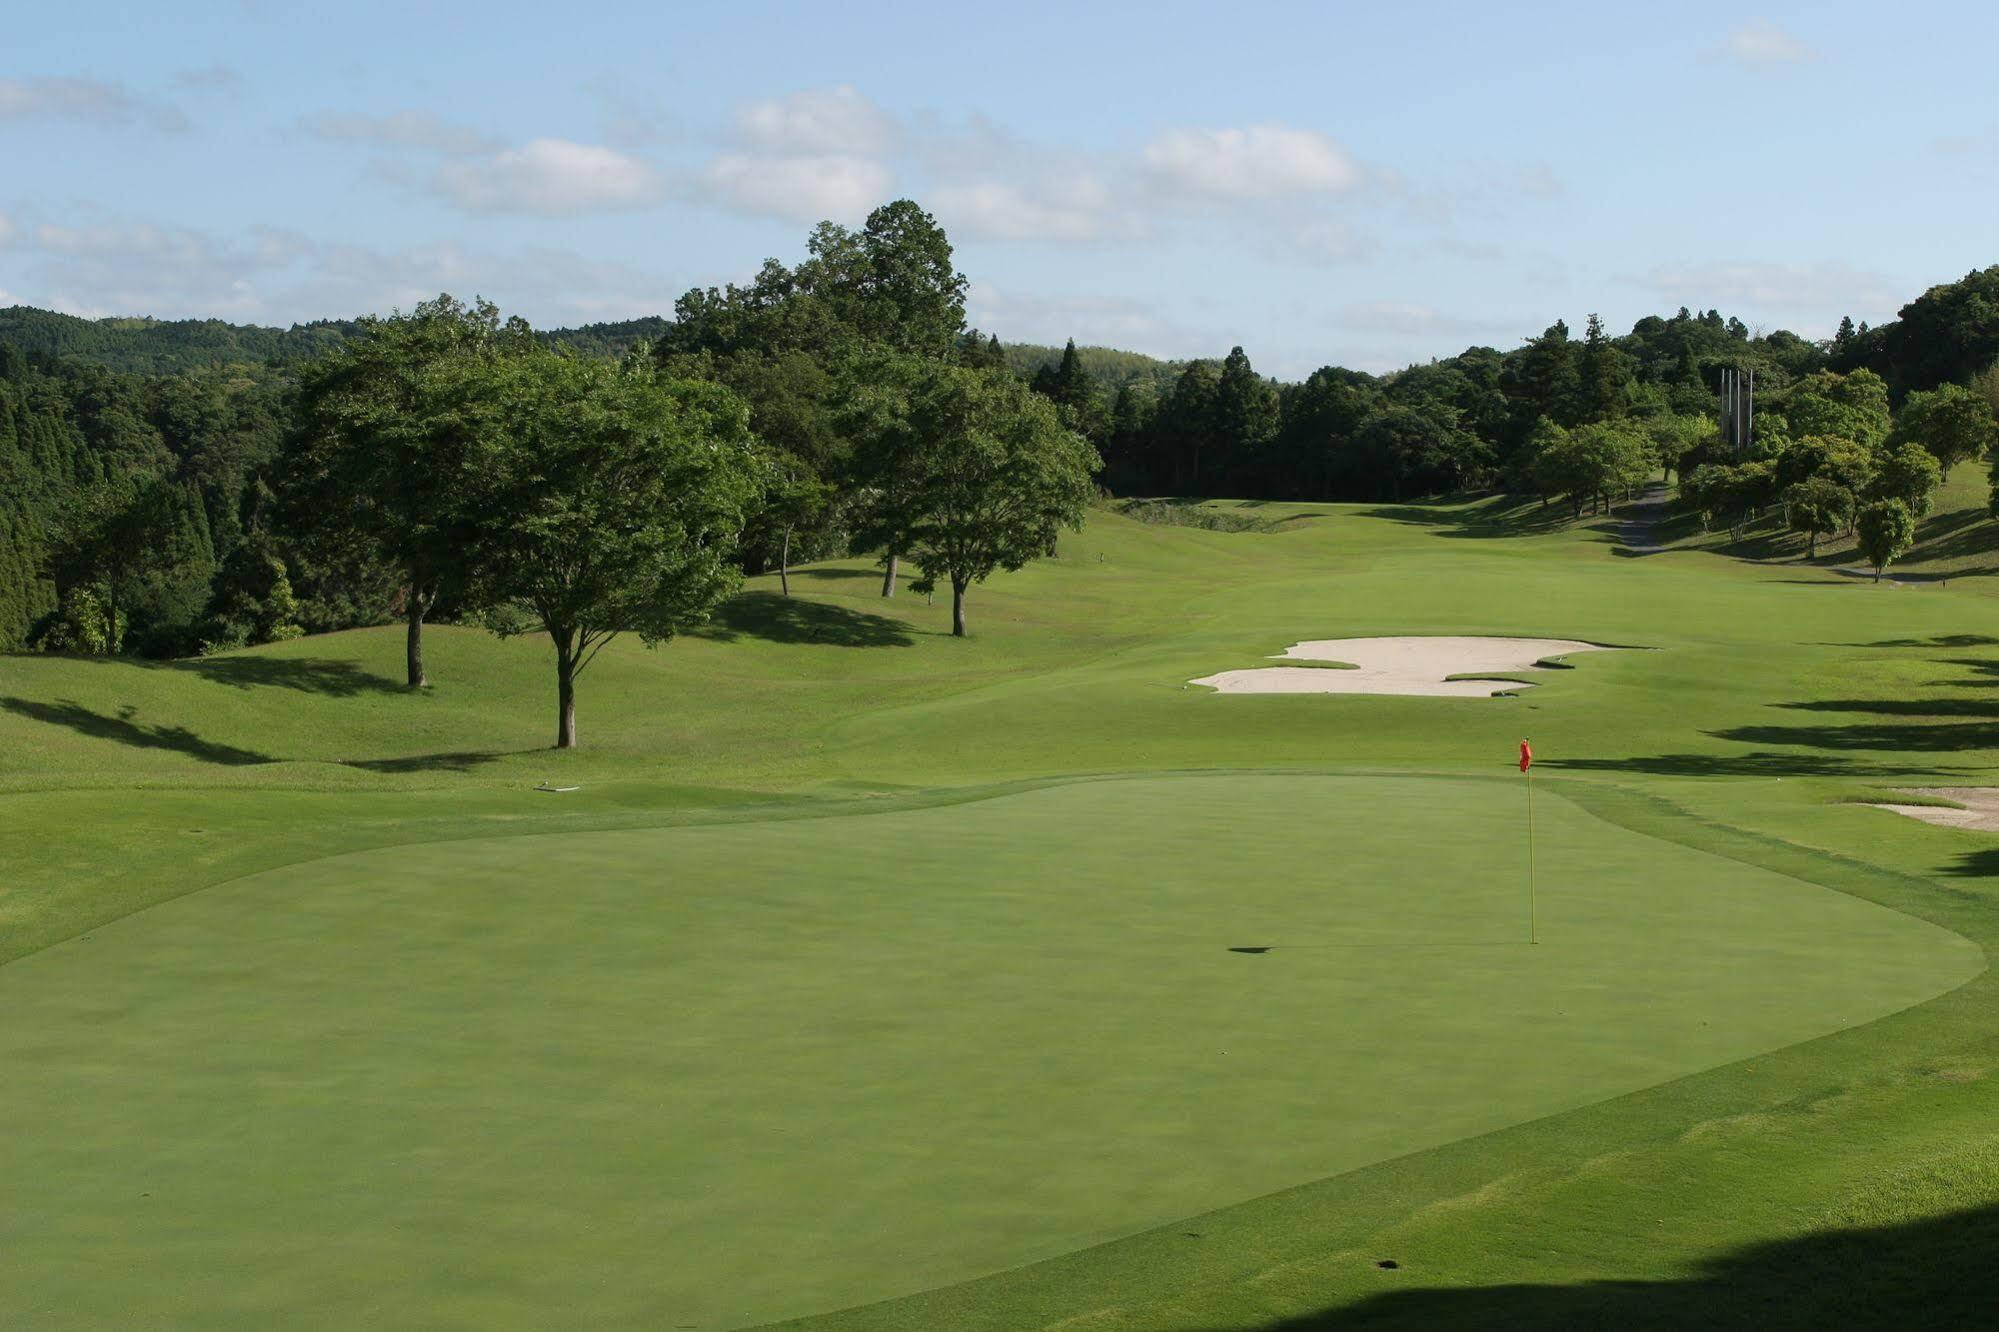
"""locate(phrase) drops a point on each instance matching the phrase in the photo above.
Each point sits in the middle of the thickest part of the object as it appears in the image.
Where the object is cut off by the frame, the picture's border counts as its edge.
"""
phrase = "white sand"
(1980, 812)
(1399, 666)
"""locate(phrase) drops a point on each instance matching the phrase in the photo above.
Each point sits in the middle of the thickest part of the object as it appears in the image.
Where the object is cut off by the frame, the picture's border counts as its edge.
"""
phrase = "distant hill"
(164, 346)
(1107, 365)
(614, 339)
(171, 346)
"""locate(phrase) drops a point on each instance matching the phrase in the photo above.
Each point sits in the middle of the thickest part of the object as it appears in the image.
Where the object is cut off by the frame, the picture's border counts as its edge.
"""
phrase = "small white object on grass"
(546, 787)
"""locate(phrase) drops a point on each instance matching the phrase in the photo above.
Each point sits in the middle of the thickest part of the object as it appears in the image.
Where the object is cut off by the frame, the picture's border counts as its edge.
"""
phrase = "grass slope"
(1774, 693)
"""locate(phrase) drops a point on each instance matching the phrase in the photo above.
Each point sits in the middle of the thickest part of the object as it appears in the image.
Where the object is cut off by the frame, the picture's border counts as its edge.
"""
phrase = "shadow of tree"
(1901, 707)
(310, 675)
(459, 761)
(1941, 640)
(873, 575)
(1934, 1273)
(1976, 865)
(1907, 738)
(1763, 763)
(782, 619)
(1502, 517)
(125, 731)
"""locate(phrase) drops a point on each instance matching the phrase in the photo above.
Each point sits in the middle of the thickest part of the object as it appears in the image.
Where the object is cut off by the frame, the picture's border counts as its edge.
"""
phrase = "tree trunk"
(957, 607)
(419, 602)
(784, 563)
(565, 689)
(888, 576)
(1811, 545)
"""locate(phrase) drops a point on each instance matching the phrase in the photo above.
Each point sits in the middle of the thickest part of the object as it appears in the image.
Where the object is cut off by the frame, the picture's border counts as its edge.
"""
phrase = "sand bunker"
(1399, 666)
(1980, 812)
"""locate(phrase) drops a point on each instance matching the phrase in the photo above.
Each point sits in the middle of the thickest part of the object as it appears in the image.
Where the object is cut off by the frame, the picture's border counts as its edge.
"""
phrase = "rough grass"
(1777, 690)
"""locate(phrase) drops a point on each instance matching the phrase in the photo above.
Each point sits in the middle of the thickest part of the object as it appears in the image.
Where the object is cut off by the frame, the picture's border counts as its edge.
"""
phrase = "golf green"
(711, 1075)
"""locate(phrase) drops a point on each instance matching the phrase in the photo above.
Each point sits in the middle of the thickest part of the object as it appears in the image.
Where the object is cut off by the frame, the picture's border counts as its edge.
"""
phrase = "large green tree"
(993, 474)
(1950, 421)
(608, 500)
(1886, 529)
(386, 444)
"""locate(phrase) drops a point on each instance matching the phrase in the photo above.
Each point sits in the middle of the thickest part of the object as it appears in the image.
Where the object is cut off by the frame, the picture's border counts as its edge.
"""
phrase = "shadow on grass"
(1901, 707)
(121, 729)
(1501, 516)
(1934, 1273)
(1941, 640)
(873, 575)
(461, 761)
(308, 675)
(1934, 738)
(1976, 865)
(1763, 763)
(782, 619)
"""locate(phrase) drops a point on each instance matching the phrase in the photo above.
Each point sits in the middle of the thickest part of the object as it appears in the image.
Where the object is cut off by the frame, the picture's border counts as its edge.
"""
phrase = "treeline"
(1461, 423)
(166, 489)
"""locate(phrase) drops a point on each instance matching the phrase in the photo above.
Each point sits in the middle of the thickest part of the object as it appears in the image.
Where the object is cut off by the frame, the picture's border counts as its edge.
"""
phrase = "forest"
(163, 484)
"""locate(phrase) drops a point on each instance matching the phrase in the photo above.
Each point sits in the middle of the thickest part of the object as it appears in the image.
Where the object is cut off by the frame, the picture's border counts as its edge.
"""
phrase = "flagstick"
(1533, 936)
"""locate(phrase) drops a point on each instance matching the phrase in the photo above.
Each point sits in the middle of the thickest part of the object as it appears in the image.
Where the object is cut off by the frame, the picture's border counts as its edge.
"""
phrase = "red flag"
(1526, 756)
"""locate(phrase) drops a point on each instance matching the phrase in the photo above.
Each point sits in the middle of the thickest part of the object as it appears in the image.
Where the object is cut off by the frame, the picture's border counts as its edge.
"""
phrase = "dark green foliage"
(1818, 506)
(159, 347)
(1952, 422)
(1886, 528)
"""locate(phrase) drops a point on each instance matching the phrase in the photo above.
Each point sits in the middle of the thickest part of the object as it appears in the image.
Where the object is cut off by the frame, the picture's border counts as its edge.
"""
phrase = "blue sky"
(1366, 185)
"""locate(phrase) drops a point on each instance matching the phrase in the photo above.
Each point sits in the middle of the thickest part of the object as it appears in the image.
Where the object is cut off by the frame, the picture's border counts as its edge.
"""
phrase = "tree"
(1068, 385)
(1603, 388)
(894, 280)
(797, 498)
(385, 451)
(1678, 436)
(995, 475)
(1245, 416)
(610, 502)
(1886, 528)
(1818, 506)
(1909, 473)
(1592, 462)
(1851, 406)
(1950, 421)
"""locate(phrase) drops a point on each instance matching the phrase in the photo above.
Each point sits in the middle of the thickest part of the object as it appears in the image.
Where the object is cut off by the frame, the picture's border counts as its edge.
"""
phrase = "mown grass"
(1775, 692)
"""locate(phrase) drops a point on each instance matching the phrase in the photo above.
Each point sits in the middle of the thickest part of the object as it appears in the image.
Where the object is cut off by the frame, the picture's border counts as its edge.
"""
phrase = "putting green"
(706, 1076)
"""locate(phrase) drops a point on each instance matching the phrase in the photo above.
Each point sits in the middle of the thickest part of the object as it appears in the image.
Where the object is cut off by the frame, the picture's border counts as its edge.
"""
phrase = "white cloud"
(552, 178)
(1262, 162)
(96, 266)
(1076, 210)
(419, 131)
(1761, 42)
(84, 101)
(818, 122)
(799, 189)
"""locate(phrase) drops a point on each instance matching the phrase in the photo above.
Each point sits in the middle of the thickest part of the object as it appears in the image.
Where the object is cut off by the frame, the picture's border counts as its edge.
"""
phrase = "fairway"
(705, 1076)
